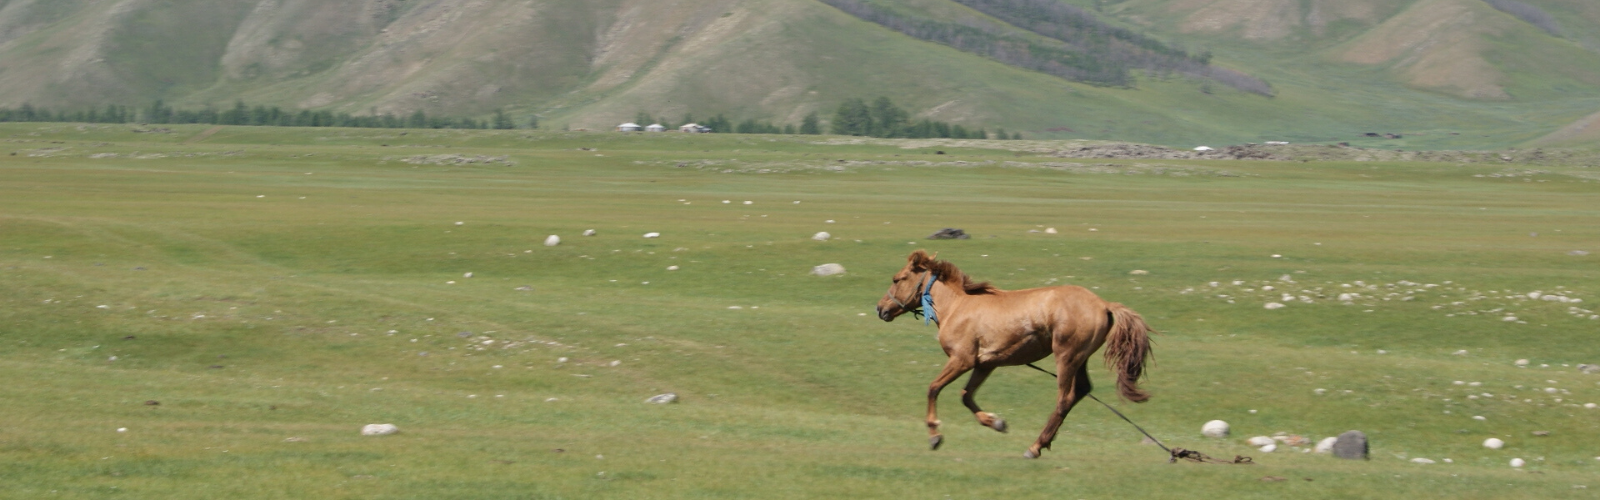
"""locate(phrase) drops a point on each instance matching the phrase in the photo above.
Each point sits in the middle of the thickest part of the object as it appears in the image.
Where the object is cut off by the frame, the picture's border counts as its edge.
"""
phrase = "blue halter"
(928, 314)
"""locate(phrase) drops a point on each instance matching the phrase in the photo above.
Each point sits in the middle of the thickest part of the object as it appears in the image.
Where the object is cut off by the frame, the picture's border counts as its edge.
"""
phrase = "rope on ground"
(1175, 454)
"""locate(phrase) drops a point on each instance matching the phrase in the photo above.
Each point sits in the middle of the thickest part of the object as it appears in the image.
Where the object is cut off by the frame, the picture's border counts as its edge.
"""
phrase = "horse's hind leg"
(989, 420)
(1073, 386)
(952, 370)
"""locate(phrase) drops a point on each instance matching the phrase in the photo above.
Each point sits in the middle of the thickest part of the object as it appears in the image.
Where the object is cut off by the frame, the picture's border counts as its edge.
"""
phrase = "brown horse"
(982, 328)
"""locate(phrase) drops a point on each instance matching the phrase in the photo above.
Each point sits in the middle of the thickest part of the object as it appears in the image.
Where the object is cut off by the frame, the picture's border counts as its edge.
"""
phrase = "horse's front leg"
(952, 370)
(968, 398)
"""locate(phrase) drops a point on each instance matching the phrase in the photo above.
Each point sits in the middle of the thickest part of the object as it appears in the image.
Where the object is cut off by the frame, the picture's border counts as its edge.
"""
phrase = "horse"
(982, 328)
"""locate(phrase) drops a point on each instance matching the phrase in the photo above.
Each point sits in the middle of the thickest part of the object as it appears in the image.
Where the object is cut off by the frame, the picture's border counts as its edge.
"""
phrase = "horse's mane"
(951, 275)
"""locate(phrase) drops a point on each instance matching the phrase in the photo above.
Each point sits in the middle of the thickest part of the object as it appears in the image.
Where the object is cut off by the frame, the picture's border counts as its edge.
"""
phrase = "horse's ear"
(919, 259)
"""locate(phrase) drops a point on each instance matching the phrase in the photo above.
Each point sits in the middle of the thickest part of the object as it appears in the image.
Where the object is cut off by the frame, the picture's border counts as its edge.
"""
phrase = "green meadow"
(215, 313)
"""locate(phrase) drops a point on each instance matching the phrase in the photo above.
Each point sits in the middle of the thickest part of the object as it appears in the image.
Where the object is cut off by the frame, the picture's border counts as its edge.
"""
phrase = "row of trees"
(241, 114)
(882, 118)
(810, 125)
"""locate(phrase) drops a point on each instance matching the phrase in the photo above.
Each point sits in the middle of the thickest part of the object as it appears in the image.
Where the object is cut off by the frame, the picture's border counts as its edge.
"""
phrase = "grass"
(251, 282)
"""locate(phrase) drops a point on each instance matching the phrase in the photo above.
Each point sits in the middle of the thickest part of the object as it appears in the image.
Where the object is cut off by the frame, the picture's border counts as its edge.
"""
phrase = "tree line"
(810, 125)
(882, 118)
(159, 112)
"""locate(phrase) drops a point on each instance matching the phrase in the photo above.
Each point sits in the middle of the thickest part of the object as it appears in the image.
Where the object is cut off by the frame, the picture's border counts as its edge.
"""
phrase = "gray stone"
(1590, 369)
(949, 234)
(828, 270)
(661, 399)
(1351, 445)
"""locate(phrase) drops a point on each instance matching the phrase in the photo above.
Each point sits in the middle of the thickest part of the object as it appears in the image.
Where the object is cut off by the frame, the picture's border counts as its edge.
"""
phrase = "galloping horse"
(982, 328)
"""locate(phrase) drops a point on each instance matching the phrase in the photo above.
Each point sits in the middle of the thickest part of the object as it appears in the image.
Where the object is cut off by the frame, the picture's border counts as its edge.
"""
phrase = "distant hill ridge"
(1439, 73)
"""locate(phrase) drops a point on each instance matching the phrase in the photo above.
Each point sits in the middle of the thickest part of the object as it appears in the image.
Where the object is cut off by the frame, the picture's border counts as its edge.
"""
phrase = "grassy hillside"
(1424, 69)
(242, 302)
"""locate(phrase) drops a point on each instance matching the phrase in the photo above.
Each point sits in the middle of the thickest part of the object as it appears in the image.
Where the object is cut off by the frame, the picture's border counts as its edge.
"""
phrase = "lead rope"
(1174, 454)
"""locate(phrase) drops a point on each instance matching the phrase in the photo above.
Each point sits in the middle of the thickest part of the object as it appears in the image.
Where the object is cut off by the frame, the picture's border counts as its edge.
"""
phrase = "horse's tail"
(1127, 350)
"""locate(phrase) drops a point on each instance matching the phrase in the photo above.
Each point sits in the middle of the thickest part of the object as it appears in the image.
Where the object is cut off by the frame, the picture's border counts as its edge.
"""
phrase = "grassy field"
(276, 289)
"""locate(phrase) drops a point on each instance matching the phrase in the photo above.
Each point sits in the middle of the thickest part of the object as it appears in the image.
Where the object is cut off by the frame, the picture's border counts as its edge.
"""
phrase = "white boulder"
(1050, 230)
(552, 240)
(661, 399)
(1325, 445)
(652, 235)
(827, 270)
(821, 236)
(1273, 305)
(1420, 460)
(588, 232)
(1260, 441)
(1215, 429)
(1269, 448)
(1494, 443)
(1522, 362)
(1517, 462)
(379, 429)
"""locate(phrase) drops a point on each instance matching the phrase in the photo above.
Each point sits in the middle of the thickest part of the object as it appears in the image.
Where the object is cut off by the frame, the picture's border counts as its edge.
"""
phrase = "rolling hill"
(1438, 73)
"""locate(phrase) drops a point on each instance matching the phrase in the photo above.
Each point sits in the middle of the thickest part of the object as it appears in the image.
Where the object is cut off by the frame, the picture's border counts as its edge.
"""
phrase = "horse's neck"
(946, 297)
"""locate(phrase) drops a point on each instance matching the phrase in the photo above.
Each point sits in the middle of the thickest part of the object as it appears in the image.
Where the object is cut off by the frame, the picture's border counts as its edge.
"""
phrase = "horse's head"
(903, 294)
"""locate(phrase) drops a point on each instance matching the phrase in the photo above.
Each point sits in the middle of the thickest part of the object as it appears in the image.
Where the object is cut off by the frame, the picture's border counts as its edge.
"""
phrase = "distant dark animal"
(950, 234)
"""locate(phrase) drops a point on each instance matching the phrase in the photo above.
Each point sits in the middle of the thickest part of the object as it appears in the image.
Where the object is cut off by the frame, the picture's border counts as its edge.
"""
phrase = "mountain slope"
(1427, 69)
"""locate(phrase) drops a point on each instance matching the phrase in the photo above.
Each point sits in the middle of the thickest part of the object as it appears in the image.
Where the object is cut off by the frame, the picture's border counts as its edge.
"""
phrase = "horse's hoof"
(934, 442)
(1030, 454)
(999, 424)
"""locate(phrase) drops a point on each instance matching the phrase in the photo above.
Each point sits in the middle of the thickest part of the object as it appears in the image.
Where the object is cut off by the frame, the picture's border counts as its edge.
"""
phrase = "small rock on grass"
(379, 429)
(1325, 445)
(1259, 441)
(1494, 443)
(552, 240)
(1517, 462)
(1351, 445)
(1215, 429)
(827, 270)
(821, 236)
(661, 399)
(1423, 461)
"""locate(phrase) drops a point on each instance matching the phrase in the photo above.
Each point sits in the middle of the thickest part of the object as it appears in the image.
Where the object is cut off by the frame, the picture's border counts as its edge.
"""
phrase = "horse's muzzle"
(886, 315)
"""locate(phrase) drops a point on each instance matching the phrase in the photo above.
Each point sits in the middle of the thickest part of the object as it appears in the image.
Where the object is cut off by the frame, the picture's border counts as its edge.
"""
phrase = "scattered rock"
(1325, 445)
(1215, 429)
(1139, 272)
(1578, 253)
(661, 399)
(467, 275)
(1294, 440)
(1494, 443)
(1517, 462)
(1269, 448)
(1050, 230)
(1259, 441)
(827, 270)
(1522, 362)
(1351, 445)
(652, 235)
(553, 240)
(152, 403)
(821, 236)
(672, 268)
(1273, 305)
(1541, 433)
(1420, 460)
(379, 429)
(1589, 369)
(588, 232)
(950, 234)
(524, 288)
(1462, 352)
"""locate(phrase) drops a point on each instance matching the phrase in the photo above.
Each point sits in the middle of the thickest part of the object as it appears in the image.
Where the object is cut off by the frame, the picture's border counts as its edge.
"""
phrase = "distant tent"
(655, 127)
(628, 127)
(694, 128)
